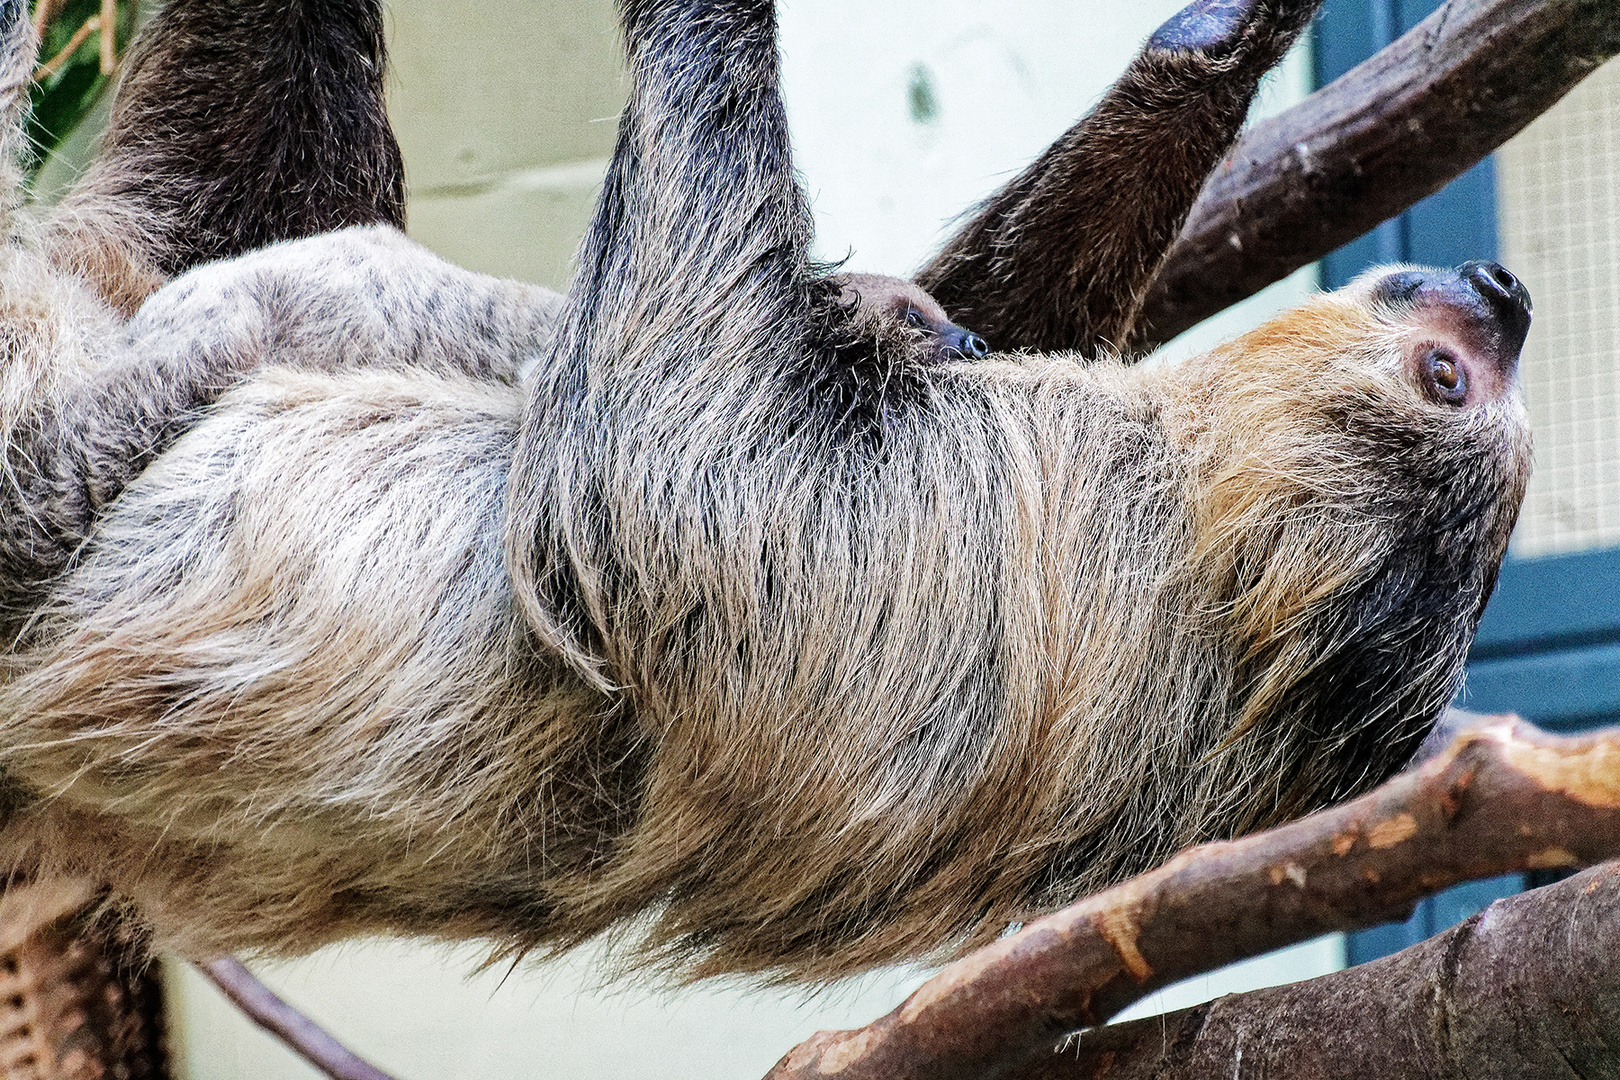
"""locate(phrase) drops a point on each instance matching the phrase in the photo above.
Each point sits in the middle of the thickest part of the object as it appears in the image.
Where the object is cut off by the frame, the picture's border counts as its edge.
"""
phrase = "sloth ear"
(1062, 256)
(230, 132)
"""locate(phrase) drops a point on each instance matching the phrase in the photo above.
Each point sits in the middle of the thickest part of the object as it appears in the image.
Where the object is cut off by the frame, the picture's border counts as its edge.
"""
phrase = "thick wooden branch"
(1528, 989)
(1504, 797)
(301, 1034)
(1390, 132)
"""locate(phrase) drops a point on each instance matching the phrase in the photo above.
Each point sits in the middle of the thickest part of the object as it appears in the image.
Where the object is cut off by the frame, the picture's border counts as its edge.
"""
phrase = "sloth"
(89, 395)
(691, 604)
(299, 89)
(889, 304)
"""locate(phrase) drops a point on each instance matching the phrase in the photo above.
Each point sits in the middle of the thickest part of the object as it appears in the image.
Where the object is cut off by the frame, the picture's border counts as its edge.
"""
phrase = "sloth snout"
(965, 343)
(1507, 298)
(1471, 324)
(961, 342)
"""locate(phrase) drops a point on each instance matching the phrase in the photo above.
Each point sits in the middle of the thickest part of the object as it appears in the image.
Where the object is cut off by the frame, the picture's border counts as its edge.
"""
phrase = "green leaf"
(62, 99)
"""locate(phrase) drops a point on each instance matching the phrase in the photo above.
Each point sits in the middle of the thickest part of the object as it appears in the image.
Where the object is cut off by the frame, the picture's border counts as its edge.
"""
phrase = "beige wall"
(505, 110)
(424, 1013)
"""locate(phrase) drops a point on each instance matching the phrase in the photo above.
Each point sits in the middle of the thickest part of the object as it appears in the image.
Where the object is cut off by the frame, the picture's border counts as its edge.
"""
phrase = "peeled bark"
(1526, 990)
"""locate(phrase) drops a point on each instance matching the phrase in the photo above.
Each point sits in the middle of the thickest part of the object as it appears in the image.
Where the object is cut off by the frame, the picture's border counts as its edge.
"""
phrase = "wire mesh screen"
(1559, 200)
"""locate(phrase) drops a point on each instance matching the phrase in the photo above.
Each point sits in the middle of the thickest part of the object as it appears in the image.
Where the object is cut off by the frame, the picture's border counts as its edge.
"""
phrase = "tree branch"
(1526, 989)
(301, 1034)
(1503, 797)
(1362, 149)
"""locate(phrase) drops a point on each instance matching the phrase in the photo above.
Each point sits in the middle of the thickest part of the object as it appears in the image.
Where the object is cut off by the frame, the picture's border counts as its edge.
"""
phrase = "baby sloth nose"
(963, 342)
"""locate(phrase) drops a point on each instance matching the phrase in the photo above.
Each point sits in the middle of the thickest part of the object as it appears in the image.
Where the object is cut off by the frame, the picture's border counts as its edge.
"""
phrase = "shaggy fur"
(220, 141)
(807, 647)
(237, 123)
(86, 424)
(89, 401)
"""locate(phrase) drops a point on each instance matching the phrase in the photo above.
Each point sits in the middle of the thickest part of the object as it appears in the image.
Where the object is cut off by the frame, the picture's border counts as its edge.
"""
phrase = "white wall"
(424, 1013)
(906, 113)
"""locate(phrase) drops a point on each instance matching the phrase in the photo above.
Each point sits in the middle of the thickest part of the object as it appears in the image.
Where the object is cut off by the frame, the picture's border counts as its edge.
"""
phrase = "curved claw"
(1204, 25)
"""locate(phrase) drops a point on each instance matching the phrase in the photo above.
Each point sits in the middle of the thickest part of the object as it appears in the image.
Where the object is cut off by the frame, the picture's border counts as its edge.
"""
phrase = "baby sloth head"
(1359, 464)
(894, 309)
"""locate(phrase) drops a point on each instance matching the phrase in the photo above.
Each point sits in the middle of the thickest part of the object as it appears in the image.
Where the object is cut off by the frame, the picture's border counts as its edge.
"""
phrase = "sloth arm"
(235, 125)
(1061, 257)
(841, 627)
(364, 297)
(688, 518)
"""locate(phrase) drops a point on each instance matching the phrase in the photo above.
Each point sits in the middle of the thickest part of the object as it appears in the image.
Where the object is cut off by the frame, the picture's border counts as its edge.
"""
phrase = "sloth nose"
(965, 343)
(1478, 300)
(1507, 297)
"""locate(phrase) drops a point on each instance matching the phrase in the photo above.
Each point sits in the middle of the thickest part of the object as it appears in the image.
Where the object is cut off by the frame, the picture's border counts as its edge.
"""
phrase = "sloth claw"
(1205, 25)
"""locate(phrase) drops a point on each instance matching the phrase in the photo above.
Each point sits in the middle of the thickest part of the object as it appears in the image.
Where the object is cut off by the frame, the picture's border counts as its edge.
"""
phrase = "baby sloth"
(892, 306)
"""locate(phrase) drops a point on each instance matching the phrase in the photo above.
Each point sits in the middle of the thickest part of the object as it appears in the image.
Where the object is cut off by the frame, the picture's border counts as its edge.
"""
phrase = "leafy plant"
(78, 61)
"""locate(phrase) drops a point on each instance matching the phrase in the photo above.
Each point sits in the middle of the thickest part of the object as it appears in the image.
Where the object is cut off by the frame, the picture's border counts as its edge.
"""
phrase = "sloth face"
(1465, 329)
(900, 305)
(1358, 464)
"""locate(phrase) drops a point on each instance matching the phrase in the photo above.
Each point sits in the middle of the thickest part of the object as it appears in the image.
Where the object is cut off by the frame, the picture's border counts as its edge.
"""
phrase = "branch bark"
(1503, 797)
(1527, 989)
(301, 1034)
(1362, 149)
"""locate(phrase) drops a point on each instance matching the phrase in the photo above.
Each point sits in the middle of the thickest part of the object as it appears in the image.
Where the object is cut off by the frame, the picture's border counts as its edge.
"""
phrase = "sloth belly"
(286, 693)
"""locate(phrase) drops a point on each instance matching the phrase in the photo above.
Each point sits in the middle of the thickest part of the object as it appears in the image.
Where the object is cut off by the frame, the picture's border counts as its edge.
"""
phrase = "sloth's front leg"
(1062, 256)
(235, 126)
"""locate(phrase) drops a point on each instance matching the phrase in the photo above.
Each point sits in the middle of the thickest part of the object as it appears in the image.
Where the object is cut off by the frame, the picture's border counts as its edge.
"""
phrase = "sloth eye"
(1446, 375)
(915, 318)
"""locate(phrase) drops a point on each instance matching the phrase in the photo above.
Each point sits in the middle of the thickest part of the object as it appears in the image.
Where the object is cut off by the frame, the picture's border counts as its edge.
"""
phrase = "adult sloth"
(817, 649)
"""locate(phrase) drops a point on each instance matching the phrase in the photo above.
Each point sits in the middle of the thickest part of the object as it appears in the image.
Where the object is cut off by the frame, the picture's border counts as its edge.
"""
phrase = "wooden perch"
(1527, 989)
(1362, 149)
(1503, 797)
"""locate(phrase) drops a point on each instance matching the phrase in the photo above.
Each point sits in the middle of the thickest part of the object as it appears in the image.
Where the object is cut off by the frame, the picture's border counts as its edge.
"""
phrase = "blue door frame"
(1549, 645)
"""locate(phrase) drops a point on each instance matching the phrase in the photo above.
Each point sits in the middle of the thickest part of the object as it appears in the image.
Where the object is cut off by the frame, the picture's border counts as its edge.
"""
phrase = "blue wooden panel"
(1458, 222)
(1430, 917)
(1561, 690)
(1549, 645)
(1453, 225)
(1557, 602)
(1347, 32)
